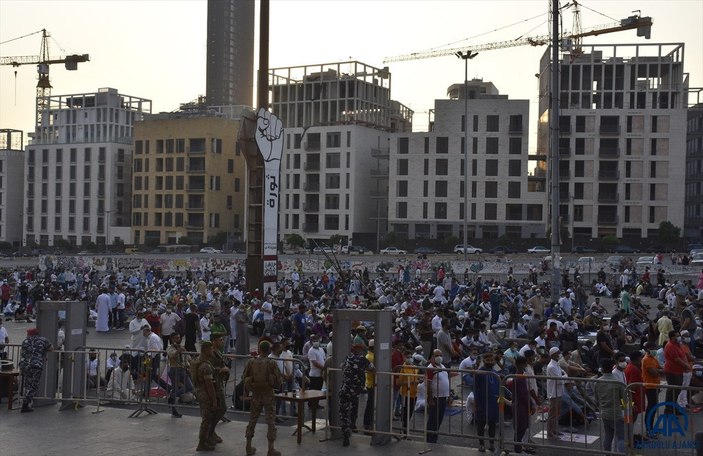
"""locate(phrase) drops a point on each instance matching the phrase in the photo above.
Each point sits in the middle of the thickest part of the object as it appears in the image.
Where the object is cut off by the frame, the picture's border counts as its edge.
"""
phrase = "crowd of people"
(449, 321)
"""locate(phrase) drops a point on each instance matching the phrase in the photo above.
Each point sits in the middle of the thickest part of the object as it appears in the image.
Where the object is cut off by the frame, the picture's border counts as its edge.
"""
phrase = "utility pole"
(554, 155)
(466, 56)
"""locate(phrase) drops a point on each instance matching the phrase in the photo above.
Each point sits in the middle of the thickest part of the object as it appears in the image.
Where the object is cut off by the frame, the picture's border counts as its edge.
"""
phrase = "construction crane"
(43, 61)
(570, 40)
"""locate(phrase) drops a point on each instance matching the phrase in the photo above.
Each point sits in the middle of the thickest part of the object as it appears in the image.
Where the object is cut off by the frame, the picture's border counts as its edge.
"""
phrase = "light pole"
(466, 56)
(107, 231)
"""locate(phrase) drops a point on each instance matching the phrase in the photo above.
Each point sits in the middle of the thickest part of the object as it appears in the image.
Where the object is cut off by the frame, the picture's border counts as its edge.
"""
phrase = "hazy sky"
(156, 49)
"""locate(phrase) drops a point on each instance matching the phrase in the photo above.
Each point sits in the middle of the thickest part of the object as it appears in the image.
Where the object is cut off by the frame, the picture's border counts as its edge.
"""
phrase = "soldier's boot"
(204, 445)
(250, 449)
(216, 438)
(272, 450)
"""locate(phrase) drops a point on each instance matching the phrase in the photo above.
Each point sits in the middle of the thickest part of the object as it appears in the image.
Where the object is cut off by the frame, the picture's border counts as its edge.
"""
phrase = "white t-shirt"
(555, 388)
(440, 382)
(168, 323)
(3, 335)
(267, 310)
(467, 363)
(205, 328)
(316, 354)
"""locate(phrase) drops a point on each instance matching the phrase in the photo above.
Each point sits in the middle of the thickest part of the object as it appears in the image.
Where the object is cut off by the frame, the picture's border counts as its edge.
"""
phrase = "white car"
(646, 260)
(697, 259)
(210, 250)
(538, 249)
(469, 249)
(393, 251)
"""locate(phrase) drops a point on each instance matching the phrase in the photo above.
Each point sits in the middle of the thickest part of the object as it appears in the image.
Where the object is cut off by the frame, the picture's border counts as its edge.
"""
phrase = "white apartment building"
(338, 121)
(11, 183)
(694, 172)
(78, 169)
(427, 171)
(622, 139)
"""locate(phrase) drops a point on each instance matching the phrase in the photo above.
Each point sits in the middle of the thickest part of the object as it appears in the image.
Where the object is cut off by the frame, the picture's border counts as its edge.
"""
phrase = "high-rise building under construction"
(230, 52)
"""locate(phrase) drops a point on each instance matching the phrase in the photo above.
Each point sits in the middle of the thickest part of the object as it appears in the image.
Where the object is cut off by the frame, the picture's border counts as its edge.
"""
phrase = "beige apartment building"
(188, 179)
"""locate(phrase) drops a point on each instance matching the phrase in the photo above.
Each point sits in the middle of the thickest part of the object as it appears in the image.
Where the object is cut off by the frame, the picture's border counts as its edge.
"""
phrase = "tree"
(609, 242)
(336, 239)
(669, 234)
(295, 240)
(451, 241)
(391, 238)
(184, 240)
(218, 240)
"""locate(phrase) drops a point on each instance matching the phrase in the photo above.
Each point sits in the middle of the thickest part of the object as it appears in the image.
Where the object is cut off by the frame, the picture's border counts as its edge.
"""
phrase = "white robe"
(120, 386)
(103, 306)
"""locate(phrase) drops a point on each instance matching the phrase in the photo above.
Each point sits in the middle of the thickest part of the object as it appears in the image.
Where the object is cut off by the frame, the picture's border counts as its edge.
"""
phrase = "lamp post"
(107, 231)
(466, 56)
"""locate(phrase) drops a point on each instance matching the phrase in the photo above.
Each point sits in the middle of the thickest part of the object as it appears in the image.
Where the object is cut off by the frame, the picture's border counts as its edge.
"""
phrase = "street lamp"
(466, 56)
(107, 231)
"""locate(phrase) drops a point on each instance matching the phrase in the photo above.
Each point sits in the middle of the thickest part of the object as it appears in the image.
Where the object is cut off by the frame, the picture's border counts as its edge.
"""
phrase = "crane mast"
(43, 61)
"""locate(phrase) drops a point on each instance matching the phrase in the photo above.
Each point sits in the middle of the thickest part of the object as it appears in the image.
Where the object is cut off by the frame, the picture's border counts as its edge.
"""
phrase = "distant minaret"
(230, 52)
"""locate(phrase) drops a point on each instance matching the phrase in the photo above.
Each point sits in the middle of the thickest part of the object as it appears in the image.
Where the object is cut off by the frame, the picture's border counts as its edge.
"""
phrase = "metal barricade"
(661, 421)
(572, 422)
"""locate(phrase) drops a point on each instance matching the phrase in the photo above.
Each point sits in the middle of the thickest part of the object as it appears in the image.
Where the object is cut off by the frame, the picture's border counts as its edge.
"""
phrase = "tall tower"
(230, 52)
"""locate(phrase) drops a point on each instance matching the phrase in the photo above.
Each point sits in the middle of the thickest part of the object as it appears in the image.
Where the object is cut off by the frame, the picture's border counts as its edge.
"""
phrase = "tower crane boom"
(643, 24)
(43, 61)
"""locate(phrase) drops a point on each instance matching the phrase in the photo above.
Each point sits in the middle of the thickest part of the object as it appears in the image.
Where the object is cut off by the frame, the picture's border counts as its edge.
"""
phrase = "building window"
(492, 145)
(331, 222)
(515, 146)
(403, 145)
(440, 210)
(442, 145)
(513, 189)
(402, 188)
(492, 167)
(403, 167)
(440, 189)
(402, 210)
(441, 167)
(490, 211)
(514, 167)
(491, 189)
(492, 123)
(334, 139)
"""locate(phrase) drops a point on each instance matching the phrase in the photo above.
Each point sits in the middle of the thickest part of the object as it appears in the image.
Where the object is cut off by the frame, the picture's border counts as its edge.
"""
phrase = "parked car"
(352, 249)
(625, 249)
(459, 248)
(697, 259)
(657, 248)
(210, 250)
(538, 249)
(426, 251)
(645, 261)
(319, 250)
(582, 250)
(693, 252)
(501, 250)
(393, 251)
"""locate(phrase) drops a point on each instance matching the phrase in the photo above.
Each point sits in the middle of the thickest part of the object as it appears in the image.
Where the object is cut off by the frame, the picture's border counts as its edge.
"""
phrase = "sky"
(155, 49)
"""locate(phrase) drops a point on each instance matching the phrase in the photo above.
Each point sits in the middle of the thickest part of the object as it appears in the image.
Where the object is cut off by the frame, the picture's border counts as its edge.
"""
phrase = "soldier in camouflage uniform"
(203, 373)
(262, 377)
(221, 378)
(354, 370)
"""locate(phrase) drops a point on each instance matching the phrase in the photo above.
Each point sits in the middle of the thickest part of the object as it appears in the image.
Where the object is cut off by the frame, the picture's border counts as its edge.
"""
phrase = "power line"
(20, 37)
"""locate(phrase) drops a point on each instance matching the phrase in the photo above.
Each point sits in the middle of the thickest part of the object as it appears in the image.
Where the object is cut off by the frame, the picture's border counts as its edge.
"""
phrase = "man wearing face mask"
(555, 390)
(619, 368)
(316, 356)
(651, 372)
(682, 399)
(486, 389)
(675, 365)
(437, 385)
(168, 325)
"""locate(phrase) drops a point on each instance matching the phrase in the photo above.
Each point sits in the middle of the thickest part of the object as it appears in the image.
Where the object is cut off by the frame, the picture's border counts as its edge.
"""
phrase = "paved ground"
(50, 432)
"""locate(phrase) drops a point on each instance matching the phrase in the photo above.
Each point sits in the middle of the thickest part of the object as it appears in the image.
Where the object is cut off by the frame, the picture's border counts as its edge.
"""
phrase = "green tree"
(451, 241)
(609, 242)
(391, 238)
(218, 240)
(295, 240)
(62, 244)
(183, 240)
(336, 239)
(669, 234)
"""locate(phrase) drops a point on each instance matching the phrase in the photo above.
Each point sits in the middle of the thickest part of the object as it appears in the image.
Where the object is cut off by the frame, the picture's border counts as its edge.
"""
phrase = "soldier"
(354, 369)
(203, 373)
(261, 377)
(221, 378)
